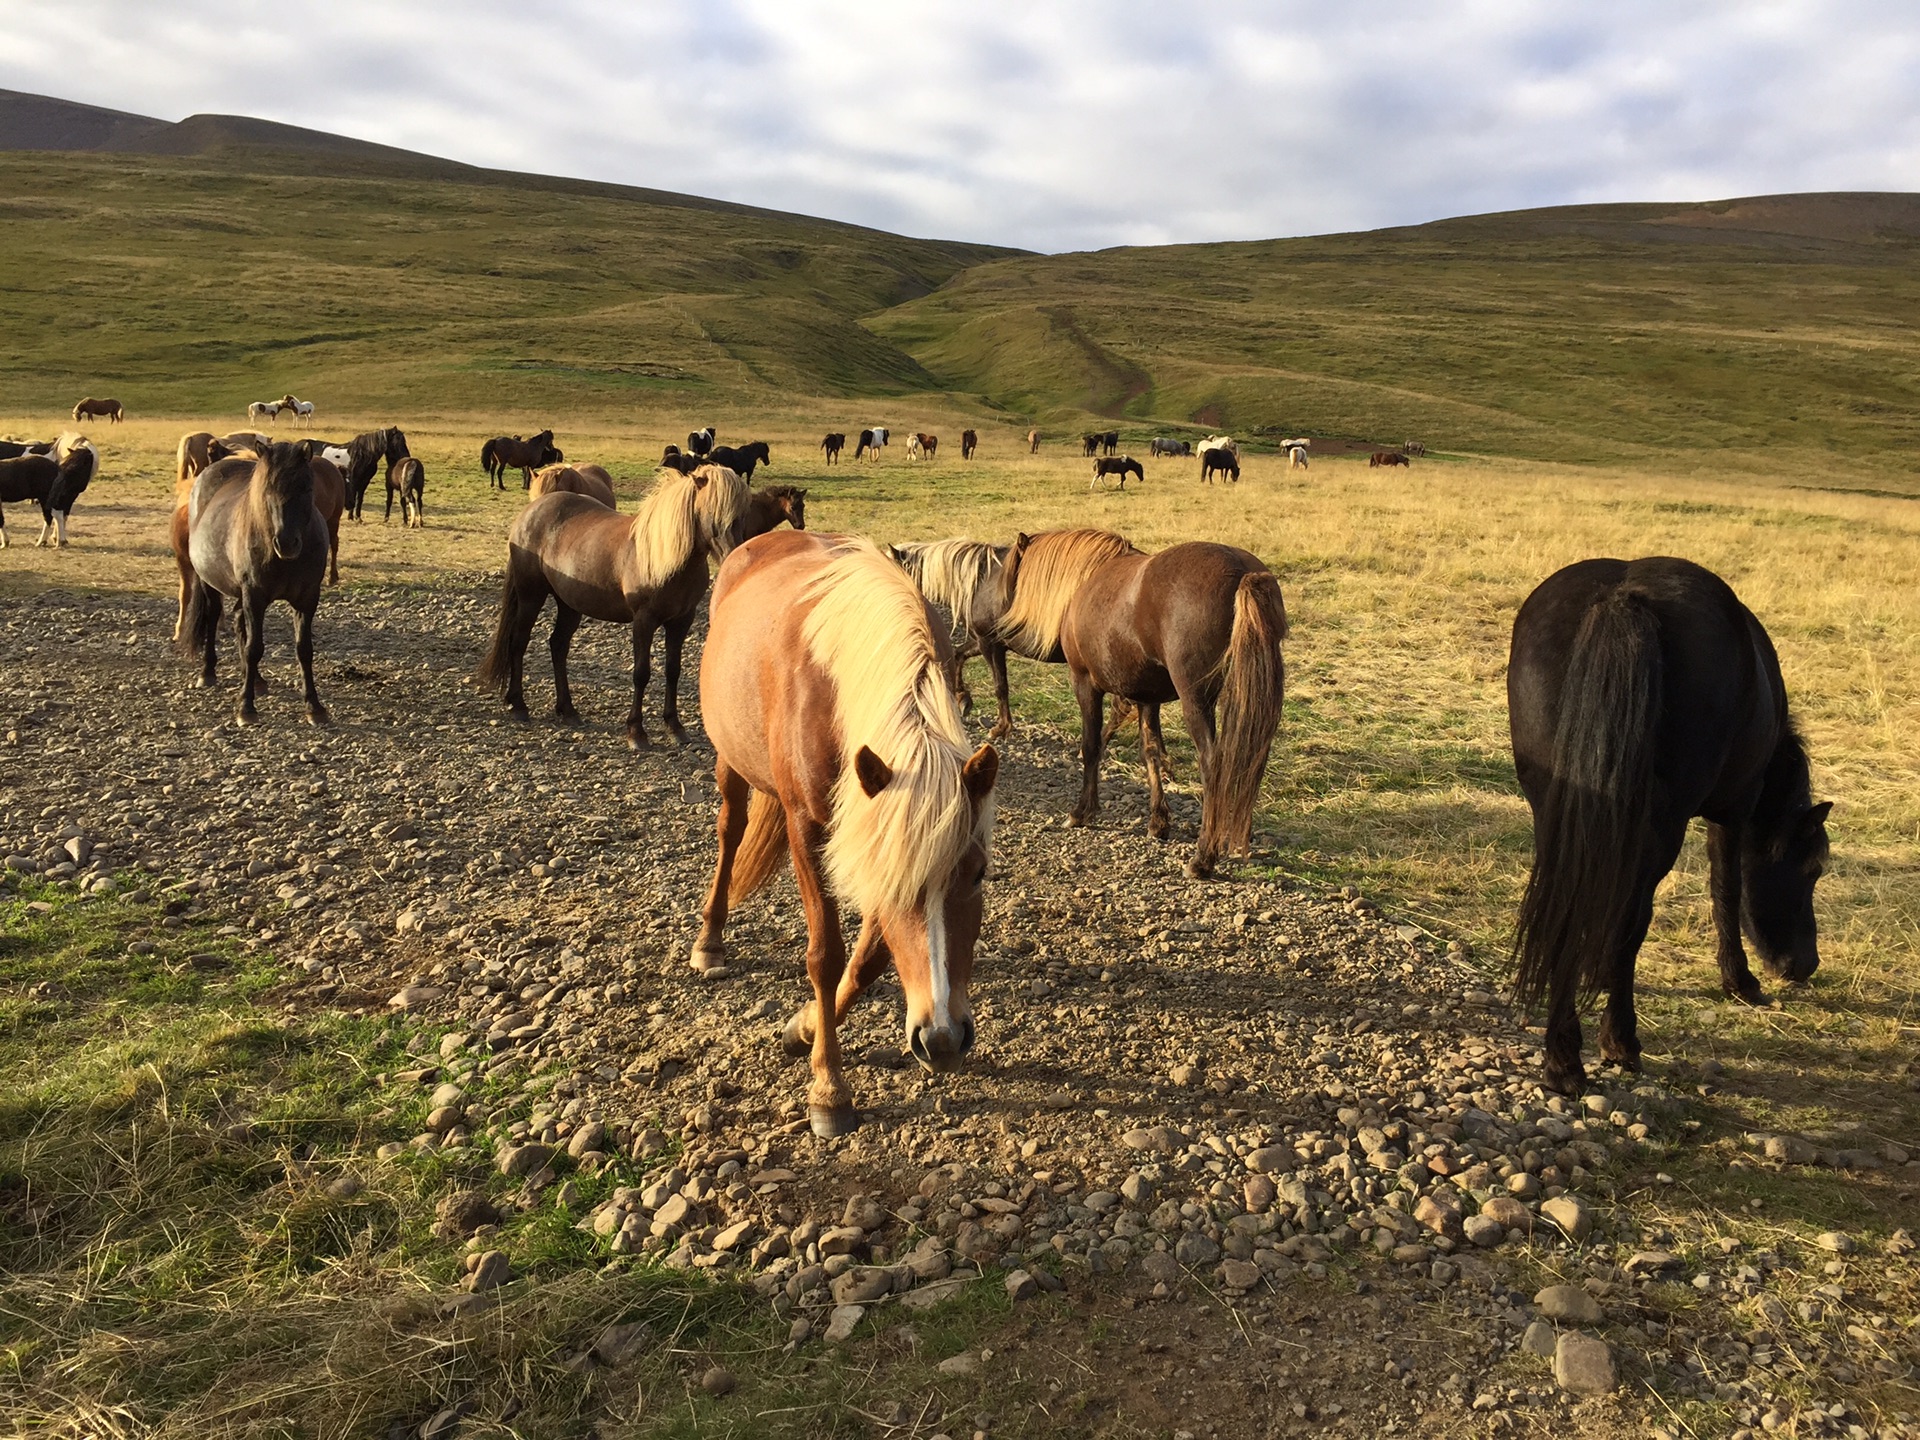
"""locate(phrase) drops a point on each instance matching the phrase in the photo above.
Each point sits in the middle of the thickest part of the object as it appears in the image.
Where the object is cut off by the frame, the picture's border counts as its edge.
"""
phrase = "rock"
(957, 1367)
(460, 1214)
(392, 1150)
(718, 1381)
(862, 1285)
(414, 997)
(673, 1211)
(442, 1424)
(1161, 1267)
(1136, 1189)
(1835, 1241)
(843, 1241)
(1568, 1303)
(1584, 1365)
(1791, 1150)
(800, 1331)
(613, 1345)
(1509, 1213)
(519, 1161)
(1194, 1249)
(1571, 1215)
(591, 1136)
(344, 1187)
(865, 1213)
(446, 1093)
(1651, 1262)
(1271, 1158)
(1102, 1201)
(1411, 1254)
(410, 922)
(925, 1297)
(1440, 1219)
(1239, 1274)
(491, 1271)
(1523, 1185)
(1185, 1076)
(733, 1236)
(453, 1043)
(1539, 1339)
(1258, 1193)
(841, 1323)
(1483, 1230)
(444, 1119)
(1021, 1286)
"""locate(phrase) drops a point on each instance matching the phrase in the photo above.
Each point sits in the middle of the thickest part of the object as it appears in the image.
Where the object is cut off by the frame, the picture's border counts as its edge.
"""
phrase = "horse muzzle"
(942, 1049)
(287, 548)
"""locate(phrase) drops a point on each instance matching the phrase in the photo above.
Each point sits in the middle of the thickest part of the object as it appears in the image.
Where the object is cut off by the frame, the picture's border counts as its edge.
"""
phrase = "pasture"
(182, 1117)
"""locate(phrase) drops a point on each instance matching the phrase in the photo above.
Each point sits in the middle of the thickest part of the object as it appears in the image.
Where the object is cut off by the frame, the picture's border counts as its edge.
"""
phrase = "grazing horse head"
(1783, 857)
(282, 494)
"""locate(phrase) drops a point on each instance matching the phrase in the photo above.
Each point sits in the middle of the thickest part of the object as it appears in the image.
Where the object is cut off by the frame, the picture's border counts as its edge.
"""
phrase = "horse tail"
(202, 624)
(1250, 700)
(496, 667)
(763, 849)
(1588, 831)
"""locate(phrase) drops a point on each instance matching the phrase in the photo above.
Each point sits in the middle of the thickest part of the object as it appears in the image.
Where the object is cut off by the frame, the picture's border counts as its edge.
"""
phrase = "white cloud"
(1054, 126)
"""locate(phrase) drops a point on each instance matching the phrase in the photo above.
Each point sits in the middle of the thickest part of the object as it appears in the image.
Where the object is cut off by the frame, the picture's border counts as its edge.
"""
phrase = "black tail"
(203, 618)
(497, 667)
(1594, 828)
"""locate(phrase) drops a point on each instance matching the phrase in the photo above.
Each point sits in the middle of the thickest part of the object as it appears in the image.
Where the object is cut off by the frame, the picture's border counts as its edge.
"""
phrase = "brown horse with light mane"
(90, 408)
(588, 480)
(329, 498)
(647, 570)
(839, 746)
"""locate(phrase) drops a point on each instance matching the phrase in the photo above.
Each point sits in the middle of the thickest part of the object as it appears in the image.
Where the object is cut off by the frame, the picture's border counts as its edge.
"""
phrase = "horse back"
(1147, 625)
(27, 477)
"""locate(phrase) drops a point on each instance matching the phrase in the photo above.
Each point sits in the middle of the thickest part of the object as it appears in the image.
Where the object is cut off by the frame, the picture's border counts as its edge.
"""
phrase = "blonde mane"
(950, 573)
(868, 629)
(70, 441)
(680, 513)
(1055, 565)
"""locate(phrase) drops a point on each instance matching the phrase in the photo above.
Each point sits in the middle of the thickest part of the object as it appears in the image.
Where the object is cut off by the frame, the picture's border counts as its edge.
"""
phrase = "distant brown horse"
(407, 478)
(922, 446)
(1121, 465)
(192, 456)
(647, 570)
(834, 443)
(969, 442)
(1033, 442)
(1200, 623)
(90, 408)
(771, 504)
(329, 498)
(838, 746)
(510, 452)
(254, 536)
(1387, 457)
(588, 480)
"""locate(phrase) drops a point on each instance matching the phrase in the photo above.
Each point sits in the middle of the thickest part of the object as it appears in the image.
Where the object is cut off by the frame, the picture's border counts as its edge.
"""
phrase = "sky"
(1050, 126)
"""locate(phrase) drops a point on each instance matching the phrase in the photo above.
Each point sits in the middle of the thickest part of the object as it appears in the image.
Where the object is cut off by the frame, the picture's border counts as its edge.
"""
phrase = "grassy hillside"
(197, 283)
(1588, 333)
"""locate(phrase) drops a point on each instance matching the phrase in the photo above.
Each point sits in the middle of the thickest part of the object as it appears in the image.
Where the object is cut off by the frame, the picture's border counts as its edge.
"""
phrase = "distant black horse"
(51, 484)
(1121, 465)
(833, 445)
(969, 442)
(510, 452)
(1223, 462)
(1160, 445)
(1642, 693)
(700, 442)
(1090, 444)
(741, 459)
(364, 454)
(674, 458)
(1109, 442)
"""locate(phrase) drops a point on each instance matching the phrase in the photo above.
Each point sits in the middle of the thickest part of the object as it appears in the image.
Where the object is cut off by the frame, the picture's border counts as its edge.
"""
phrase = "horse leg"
(209, 599)
(642, 672)
(1123, 711)
(1093, 704)
(566, 620)
(1723, 856)
(672, 643)
(829, 1101)
(251, 616)
(333, 551)
(996, 655)
(710, 949)
(1154, 748)
(526, 611)
(1619, 1027)
(1563, 1070)
(303, 647)
(870, 958)
(1197, 711)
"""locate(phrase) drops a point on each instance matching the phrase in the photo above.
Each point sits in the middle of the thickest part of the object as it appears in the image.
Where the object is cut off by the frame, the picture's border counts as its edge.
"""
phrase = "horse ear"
(1020, 543)
(801, 494)
(980, 773)
(308, 449)
(875, 774)
(1815, 818)
(699, 478)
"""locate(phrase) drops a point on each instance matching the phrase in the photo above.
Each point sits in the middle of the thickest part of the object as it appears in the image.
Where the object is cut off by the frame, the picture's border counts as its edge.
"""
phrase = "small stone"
(1239, 1274)
(841, 1323)
(842, 1241)
(862, 1285)
(1270, 1159)
(410, 922)
(591, 1136)
(1258, 1193)
(344, 1187)
(1194, 1249)
(414, 997)
(1568, 1303)
(1539, 1339)
(800, 1331)
(865, 1213)
(460, 1214)
(1509, 1213)
(490, 1272)
(616, 1343)
(1835, 1241)
(1161, 1267)
(1523, 1185)
(446, 1093)
(1651, 1261)
(1021, 1286)
(1571, 1215)
(1791, 1150)
(1583, 1365)
(1483, 1230)
(673, 1211)
(956, 1367)
(733, 1236)
(1185, 1076)
(718, 1381)
(519, 1161)
(444, 1119)
(1136, 1189)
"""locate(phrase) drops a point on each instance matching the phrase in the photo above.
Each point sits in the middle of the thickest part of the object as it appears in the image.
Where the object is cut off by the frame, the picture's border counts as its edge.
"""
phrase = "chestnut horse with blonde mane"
(838, 746)
(588, 480)
(1199, 623)
(647, 570)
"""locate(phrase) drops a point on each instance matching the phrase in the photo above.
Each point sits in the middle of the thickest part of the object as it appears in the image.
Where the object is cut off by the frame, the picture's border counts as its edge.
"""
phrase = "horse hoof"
(246, 717)
(519, 712)
(1565, 1081)
(637, 740)
(567, 715)
(830, 1124)
(1159, 830)
(795, 1040)
(709, 959)
(1198, 869)
(1077, 820)
(317, 715)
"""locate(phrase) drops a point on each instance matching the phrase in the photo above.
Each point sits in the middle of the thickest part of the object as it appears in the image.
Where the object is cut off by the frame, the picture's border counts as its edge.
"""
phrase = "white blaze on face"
(937, 984)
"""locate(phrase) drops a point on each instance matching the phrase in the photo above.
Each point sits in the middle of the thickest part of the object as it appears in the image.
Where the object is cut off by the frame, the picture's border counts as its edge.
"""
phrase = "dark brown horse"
(1642, 693)
(833, 445)
(1219, 462)
(91, 408)
(743, 459)
(407, 479)
(969, 442)
(510, 452)
(254, 536)
(1022, 607)
(838, 747)
(1200, 623)
(53, 481)
(329, 498)
(647, 570)
(923, 446)
(771, 504)
(1386, 457)
(1121, 465)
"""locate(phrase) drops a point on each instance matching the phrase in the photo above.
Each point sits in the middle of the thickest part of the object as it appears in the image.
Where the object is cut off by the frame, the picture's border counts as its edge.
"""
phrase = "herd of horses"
(1640, 694)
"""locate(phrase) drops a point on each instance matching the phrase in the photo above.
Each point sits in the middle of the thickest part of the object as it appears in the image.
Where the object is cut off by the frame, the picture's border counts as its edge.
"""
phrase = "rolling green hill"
(1603, 332)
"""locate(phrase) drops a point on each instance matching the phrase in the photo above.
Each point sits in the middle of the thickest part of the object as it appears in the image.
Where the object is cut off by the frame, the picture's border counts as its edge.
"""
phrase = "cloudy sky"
(1054, 126)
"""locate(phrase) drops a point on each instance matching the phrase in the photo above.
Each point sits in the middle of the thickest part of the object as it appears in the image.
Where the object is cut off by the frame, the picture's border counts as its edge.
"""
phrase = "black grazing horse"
(741, 459)
(833, 445)
(1121, 465)
(51, 484)
(1223, 462)
(969, 442)
(364, 454)
(700, 442)
(1642, 693)
(510, 452)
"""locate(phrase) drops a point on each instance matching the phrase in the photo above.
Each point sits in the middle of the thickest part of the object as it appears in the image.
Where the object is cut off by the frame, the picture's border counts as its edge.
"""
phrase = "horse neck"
(1785, 791)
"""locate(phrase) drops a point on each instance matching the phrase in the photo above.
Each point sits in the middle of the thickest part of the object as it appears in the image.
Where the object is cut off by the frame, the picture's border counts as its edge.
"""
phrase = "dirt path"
(1287, 1147)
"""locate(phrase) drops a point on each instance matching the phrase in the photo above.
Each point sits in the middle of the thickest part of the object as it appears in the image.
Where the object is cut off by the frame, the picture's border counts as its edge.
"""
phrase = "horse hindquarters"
(1251, 697)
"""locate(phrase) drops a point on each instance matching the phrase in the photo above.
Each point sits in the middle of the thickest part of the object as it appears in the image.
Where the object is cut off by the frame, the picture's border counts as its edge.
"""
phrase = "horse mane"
(868, 628)
(951, 572)
(71, 443)
(1055, 565)
(668, 525)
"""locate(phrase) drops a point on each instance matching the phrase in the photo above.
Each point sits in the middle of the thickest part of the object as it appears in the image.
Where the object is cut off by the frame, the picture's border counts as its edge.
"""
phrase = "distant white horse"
(916, 450)
(1219, 442)
(1296, 456)
(268, 410)
(303, 410)
(1304, 442)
